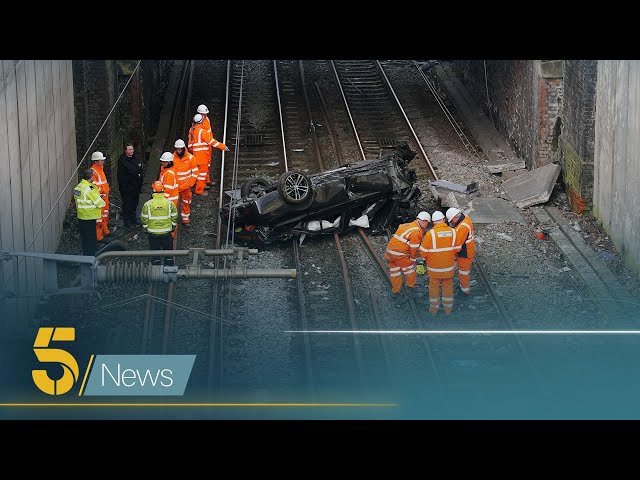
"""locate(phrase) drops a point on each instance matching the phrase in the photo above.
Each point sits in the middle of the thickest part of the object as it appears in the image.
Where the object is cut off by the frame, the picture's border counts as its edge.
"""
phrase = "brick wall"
(522, 98)
(578, 132)
(97, 86)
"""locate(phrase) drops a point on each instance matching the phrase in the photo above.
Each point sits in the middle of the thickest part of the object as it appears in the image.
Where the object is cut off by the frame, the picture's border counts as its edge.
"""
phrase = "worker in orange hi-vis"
(463, 226)
(200, 143)
(100, 181)
(439, 250)
(402, 252)
(187, 172)
(206, 123)
(169, 179)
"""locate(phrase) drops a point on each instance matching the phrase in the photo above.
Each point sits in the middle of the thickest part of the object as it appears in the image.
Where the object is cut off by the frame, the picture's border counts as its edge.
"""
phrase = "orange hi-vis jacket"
(200, 142)
(169, 179)
(186, 170)
(464, 234)
(100, 179)
(406, 241)
(439, 250)
(206, 124)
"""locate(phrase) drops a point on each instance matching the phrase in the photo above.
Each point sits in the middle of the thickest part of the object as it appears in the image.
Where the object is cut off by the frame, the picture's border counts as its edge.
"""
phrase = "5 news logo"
(113, 375)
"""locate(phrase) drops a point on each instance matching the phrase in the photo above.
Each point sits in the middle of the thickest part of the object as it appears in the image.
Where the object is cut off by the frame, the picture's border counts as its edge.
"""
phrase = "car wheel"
(255, 185)
(294, 187)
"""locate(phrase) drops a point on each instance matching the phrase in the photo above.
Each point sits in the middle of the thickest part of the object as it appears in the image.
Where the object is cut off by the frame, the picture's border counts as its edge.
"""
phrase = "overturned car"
(368, 194)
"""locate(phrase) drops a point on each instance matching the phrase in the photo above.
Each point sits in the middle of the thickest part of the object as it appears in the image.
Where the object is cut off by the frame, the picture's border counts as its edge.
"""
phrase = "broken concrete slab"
(454, 199)
(485, 210)
(498, 165)
(457, 187)
(451, 194)
(507, 174)
(533, 187)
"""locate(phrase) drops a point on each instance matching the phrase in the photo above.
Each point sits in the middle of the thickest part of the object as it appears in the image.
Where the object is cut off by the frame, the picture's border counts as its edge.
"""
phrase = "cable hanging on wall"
(74, 173)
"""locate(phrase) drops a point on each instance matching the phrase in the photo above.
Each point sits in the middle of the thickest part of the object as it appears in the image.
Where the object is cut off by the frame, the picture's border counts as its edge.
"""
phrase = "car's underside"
(371, 194)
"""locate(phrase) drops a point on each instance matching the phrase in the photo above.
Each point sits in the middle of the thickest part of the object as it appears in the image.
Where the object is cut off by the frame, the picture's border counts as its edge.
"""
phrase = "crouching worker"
(402, 252)
(439, 250)
(159, 218)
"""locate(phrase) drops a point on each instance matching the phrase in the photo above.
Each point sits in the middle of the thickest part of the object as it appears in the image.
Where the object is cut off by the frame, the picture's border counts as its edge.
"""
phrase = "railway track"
(286, 115)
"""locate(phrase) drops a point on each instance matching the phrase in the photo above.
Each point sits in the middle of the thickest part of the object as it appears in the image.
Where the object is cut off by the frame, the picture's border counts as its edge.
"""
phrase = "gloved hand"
(226, 149)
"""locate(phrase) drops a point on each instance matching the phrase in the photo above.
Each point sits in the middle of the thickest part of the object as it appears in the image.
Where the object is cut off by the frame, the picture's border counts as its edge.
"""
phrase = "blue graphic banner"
(151, 375)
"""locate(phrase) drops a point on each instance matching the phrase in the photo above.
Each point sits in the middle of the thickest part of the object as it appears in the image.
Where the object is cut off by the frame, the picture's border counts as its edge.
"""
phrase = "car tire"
(249, 186)
(295, 187)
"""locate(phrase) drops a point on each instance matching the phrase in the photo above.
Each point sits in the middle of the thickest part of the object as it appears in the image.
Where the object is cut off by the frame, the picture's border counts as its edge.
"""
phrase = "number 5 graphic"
(55, 355)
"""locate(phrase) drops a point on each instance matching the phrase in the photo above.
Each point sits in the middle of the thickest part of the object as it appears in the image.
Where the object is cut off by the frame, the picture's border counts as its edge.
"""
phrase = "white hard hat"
(179, 143)
(97, 156)
(197, 118)
(452, 212)
(203, 109)
(437, 215)
(424, 216)
(166, 157)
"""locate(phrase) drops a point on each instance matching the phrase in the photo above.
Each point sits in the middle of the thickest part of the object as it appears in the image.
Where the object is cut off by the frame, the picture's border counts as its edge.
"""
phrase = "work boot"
(433, 311)
(207, 186)
(447, 311)
(186, 225)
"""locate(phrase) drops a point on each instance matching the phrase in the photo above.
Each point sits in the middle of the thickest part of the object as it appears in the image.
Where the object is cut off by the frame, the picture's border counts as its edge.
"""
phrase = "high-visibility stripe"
(447, 299)
(393, 252)
(394, 269)
(465, 289)
(164, 217)
(443, 249)
(463, 272)
(440, 269)
(437, 300)
(395, 274)
(410, 271)
(159, 230)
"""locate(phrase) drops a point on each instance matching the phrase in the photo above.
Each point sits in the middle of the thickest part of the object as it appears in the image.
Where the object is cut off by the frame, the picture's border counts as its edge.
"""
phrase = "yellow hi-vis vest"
(88, 201)
(159, 215)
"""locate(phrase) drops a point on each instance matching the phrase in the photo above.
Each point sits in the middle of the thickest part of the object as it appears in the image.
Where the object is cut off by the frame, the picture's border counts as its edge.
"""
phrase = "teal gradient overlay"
(149, 375)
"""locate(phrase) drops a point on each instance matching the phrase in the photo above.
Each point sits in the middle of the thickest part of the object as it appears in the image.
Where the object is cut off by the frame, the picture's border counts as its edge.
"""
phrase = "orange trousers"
(102, 223)
(397, 266)
(464, 270)
(185, 211)
(434, 294)
(201, 181)
(208, 177)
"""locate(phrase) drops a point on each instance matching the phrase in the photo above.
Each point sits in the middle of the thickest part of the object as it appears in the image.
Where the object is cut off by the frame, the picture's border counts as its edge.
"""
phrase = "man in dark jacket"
(130, 183)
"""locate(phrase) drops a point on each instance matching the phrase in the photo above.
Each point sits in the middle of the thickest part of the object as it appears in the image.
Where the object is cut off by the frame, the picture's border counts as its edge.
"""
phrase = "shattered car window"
(372, 194)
